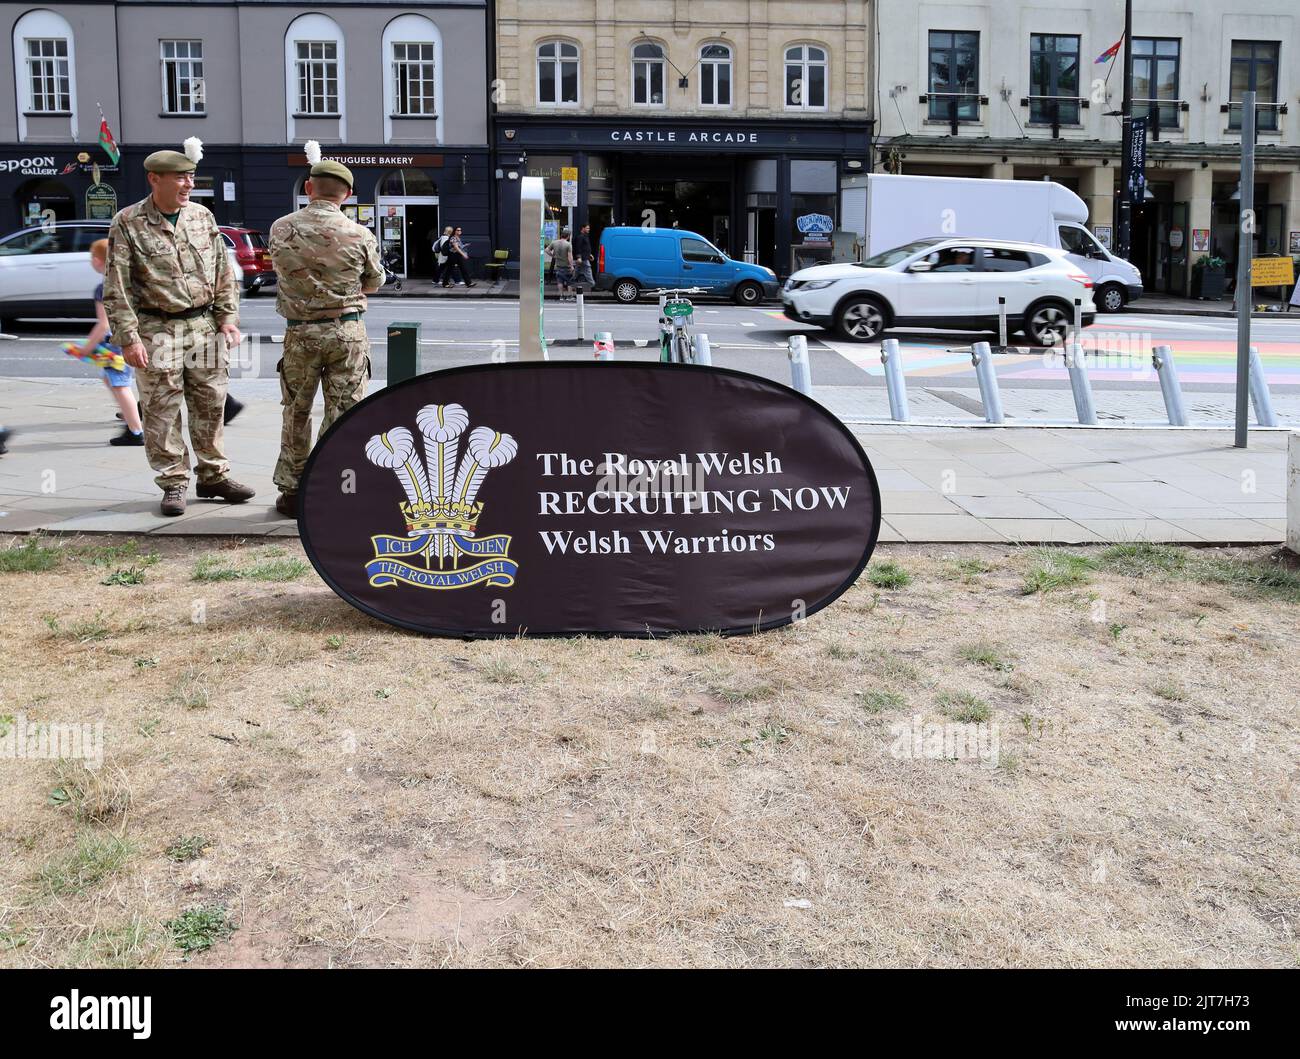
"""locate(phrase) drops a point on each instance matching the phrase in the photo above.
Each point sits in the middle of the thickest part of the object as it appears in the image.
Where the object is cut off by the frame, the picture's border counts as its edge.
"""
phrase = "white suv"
(950, 283)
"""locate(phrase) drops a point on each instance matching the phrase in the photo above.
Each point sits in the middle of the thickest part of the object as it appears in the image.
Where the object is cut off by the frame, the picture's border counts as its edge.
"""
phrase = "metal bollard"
(703, 354)
(895, 382)
(403, 351)
(1259, 392)
(1080, 384)
(800, 371)
(604, 345)
(1162, 359)
(582, 316)
(1078, 318)
(982, 358)
(1002, 323)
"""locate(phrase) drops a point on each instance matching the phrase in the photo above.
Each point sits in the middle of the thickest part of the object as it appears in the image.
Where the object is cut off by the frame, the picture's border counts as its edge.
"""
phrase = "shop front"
(404, 197)
(763, 191)
(56, 183)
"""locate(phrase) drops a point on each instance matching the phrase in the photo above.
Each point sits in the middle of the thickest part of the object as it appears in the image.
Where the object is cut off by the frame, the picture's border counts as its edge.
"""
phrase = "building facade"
(398, 92)
(736, 119)
(1013, 90)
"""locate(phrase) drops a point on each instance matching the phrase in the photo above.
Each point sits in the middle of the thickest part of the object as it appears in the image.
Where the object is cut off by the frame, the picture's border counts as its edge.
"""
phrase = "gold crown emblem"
(443, 513)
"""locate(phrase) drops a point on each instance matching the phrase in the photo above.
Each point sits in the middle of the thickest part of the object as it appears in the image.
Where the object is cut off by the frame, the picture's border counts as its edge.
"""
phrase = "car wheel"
(748, 294)
(860, 320)
(1048, 324)
(627, 291)
(1110, 299)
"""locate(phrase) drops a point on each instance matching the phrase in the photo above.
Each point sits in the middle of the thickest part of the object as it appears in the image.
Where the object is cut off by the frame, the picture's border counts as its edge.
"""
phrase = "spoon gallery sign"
(580, 497)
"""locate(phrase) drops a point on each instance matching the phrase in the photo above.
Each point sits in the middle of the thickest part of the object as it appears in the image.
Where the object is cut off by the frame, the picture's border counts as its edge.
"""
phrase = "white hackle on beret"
(194, 149)
(312, 150)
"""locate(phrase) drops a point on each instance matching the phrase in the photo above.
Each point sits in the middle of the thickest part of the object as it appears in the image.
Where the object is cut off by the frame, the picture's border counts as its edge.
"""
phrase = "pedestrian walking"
(457, 251)
(172, 303)
(583, 258)
(326, 265)
(561, 251)
(440, 256)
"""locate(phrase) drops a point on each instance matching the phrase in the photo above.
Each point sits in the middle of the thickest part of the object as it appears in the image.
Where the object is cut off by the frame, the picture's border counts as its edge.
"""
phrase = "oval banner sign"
(567, 497)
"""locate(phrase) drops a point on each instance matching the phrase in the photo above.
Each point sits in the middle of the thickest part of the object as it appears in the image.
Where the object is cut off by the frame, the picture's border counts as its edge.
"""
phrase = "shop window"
(648, 62)
(402, 183)
(715, 76)
(805, 77)
(182, 77)
(558, 66)
(954, 75)
(1254, 69)
(413, 79)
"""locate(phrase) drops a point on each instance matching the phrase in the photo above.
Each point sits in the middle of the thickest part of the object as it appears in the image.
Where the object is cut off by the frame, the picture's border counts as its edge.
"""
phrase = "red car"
(253, 257)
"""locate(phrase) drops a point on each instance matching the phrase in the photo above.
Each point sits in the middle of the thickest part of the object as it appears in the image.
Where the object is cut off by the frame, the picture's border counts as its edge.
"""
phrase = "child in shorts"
(118, 382)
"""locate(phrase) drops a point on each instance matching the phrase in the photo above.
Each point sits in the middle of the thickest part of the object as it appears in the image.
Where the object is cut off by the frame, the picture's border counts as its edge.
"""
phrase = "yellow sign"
(1271, 272)
(569, 172)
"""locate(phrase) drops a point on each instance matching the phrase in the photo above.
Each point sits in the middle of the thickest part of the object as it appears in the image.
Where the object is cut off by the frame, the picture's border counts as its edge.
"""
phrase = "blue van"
(635, 259)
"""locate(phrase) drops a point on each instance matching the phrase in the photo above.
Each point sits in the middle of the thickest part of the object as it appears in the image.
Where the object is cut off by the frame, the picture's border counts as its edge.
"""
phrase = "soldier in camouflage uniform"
(173, 305)
(325, 265)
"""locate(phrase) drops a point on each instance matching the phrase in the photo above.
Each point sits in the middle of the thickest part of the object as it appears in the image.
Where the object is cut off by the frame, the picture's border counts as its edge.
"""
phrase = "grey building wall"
(118, 66)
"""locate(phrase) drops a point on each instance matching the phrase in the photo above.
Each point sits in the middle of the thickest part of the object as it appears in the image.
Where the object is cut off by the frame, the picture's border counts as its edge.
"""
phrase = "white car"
(45, 271)
(950, 283)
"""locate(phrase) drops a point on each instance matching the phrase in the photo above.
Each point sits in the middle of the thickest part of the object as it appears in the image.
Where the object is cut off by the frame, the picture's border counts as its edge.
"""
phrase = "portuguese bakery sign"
(560, 498)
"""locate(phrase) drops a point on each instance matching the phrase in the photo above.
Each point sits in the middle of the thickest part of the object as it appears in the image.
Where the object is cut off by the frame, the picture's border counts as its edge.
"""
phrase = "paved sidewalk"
(1000, 484)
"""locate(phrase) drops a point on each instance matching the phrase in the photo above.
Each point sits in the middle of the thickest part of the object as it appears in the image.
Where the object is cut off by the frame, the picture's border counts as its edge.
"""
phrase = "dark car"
(252, 255)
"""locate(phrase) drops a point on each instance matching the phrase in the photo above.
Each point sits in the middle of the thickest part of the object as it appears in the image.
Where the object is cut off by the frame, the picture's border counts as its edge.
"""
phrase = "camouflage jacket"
(152, 265)
(322, 262)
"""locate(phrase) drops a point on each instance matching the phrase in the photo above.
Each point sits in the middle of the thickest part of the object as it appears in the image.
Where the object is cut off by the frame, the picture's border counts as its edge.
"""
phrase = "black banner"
(574, 497)
(1136, 152)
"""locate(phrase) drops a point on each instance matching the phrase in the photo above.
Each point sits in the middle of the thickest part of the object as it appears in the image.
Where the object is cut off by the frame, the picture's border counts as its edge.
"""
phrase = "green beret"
(334, 169)
(168, 162)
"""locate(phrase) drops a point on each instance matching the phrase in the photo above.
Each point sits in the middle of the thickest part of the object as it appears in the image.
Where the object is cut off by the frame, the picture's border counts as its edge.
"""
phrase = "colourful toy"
(103, 355)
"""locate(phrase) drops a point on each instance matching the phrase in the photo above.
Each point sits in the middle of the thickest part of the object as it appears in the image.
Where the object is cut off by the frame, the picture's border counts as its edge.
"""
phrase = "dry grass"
(291, 784)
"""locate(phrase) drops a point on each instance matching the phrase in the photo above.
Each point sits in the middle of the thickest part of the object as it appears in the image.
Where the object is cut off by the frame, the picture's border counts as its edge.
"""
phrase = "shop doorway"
(37, 199)
(1160, 245)
(407, 211)
(760, 235)
(421, 231)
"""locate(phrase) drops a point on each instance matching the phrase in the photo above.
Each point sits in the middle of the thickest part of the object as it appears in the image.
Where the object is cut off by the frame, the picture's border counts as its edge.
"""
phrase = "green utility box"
(403, 351)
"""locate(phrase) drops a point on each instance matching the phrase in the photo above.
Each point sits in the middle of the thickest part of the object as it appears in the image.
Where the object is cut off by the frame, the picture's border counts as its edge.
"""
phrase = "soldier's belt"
(184, 314)
(345, 318)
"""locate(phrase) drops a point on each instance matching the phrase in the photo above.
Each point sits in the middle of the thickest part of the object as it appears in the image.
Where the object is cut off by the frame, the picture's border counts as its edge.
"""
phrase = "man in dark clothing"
(582, 259)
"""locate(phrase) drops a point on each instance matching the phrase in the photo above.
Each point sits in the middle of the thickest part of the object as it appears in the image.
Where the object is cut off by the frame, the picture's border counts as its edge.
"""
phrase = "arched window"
(413, 88)
(805, 77)
(648, 62)
(715, 75)
(558, 70)
(45, 70)
(315, 72)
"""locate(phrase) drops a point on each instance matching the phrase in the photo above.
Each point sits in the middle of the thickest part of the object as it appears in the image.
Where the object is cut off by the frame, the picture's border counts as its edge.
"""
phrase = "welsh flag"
(106, 141)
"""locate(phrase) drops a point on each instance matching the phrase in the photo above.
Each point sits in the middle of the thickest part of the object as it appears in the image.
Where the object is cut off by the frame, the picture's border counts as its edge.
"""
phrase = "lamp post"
(1124, 230)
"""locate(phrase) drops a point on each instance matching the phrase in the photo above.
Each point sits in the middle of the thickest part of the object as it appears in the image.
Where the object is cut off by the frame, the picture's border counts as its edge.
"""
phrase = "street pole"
(1245, 250)
(1124, 233)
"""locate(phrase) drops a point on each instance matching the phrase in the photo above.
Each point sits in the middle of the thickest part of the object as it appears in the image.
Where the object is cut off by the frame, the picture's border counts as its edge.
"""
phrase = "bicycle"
(676, 342)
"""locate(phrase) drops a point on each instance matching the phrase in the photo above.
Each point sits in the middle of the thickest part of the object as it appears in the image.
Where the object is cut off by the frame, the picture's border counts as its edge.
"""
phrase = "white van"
(901, 209)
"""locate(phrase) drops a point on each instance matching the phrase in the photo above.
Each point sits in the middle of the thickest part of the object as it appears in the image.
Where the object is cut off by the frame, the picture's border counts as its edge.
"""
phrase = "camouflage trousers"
(333, 355)
(188, 363)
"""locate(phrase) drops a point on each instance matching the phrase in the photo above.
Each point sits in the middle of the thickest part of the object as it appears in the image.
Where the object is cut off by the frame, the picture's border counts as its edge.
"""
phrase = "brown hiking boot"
(173, 501)
(287, 505)
(228, 489)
